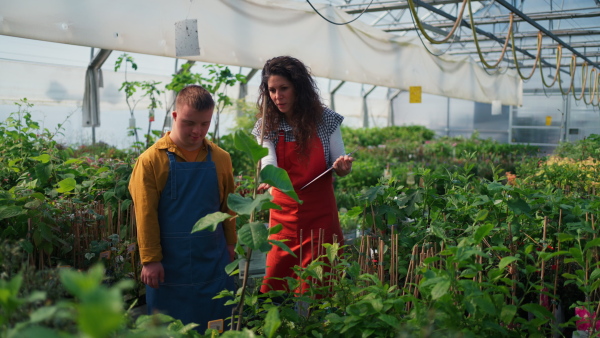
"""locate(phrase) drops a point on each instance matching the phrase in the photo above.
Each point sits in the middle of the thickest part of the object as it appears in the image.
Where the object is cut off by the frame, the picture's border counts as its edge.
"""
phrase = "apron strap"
(172, 161)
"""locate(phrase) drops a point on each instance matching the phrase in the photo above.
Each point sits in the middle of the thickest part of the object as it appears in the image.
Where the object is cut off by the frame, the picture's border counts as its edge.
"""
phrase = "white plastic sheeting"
(247, 33)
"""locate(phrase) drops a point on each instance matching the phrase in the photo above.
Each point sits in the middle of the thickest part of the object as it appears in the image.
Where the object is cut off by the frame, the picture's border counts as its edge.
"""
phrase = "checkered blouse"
(331, 120)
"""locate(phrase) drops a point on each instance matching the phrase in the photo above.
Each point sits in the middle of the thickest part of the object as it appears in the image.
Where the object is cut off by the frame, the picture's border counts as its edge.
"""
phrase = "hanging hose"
(537, 56)
(418, 23)
(584, 73)
(477, 41)
(572, 70)
(556, 75)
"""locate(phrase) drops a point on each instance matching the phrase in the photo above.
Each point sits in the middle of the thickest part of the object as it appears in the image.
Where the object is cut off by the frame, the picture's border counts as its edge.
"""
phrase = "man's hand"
(231, 249)
(152, 274)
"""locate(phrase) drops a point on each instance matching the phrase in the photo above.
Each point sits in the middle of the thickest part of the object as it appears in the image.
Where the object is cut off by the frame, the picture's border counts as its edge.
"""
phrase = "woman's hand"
(343, 165)
(262, 187)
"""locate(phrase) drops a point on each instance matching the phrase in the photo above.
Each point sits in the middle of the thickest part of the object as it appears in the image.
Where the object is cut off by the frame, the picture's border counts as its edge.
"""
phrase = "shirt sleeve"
(144, 193)
(336, 145)
(271, 158)
(257, 127)
(228, 188)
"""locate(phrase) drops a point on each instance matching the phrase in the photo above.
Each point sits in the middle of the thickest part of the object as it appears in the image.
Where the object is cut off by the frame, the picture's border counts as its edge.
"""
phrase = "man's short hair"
(195, 97)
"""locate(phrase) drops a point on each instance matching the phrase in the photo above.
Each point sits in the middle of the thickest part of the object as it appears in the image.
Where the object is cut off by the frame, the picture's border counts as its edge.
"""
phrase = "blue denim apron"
(195, 263)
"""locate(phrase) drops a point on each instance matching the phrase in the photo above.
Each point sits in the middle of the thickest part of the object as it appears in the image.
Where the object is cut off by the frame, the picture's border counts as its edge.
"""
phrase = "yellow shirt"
(148, 179)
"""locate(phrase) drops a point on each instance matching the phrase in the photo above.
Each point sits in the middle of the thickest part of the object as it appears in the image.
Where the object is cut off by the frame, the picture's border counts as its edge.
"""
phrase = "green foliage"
(580, 150)
(216, 82)
(148, 90)
(46, 192)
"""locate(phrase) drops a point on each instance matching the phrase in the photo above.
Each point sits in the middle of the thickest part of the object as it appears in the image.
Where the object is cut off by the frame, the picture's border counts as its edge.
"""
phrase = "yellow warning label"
(415, 94)
(548, 120)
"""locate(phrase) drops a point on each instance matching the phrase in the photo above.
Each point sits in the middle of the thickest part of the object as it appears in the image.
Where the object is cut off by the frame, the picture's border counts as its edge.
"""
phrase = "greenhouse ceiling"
(394, 44)
(543, 32)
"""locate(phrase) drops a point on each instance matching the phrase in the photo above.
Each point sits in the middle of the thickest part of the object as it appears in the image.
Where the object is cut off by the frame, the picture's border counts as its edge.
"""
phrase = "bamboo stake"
(312, 248)
(557, 263)
(29, 256)
(361, 253)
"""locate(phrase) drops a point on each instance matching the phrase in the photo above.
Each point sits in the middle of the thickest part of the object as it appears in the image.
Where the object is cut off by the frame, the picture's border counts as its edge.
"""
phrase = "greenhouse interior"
(466, 208)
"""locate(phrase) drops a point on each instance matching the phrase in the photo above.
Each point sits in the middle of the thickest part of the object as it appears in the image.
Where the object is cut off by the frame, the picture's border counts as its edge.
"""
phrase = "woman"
(304, 138)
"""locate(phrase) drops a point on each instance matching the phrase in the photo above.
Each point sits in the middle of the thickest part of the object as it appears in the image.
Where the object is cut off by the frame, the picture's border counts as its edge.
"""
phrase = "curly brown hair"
(308, 108)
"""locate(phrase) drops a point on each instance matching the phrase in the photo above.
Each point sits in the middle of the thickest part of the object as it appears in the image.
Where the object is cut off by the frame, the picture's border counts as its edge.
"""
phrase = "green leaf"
(43, 173)
(389, 320)
(538, 310)
(482, 231)
(8, 211)
(81, 284)
(481, 215)
(595, 274)
(331, 250)
(42, 314)
(248, 145)
(231, 267)
(246, 205)
(272, 322)
(44, 158)
(518, 206)
(507, 313)
(66, 185)
(279, 178)
(485, 304)
(505, 261)
(440, 289)
(210, 221)
(253, 235)
(592, 243)
(283, 246)
(372, 193)
(275, 229)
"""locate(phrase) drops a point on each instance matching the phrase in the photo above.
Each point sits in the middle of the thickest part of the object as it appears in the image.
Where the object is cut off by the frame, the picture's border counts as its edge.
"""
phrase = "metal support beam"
(244, 89)
(365, 111)
(332, 95)
(91, 100)
(545, 31)
(391, 99)
(389, 6)
(542, 16)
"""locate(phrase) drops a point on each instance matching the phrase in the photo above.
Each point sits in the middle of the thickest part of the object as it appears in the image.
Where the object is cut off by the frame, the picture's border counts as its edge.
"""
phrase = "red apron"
(301, 223)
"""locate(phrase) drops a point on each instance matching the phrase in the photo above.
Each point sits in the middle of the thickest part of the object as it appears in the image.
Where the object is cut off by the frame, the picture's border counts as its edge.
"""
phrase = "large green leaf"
(508, 313)
(440, 289)
(248, 145)
(482, 231)
(43, 171)
(210, 221)
(246, 205)
(505, 261)
(82, 284)
(279, 178)
(7, 211)
(44, 158)
(254, 235)
(372, 193)
(518, 206)
(272, 322)
(66, 185)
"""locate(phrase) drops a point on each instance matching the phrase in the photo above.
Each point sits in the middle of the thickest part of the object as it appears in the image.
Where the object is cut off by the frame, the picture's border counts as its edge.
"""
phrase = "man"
(174, 183)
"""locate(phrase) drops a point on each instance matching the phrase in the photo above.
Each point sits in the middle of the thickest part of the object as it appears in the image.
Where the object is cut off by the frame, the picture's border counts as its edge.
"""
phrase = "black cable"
(337, 23)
